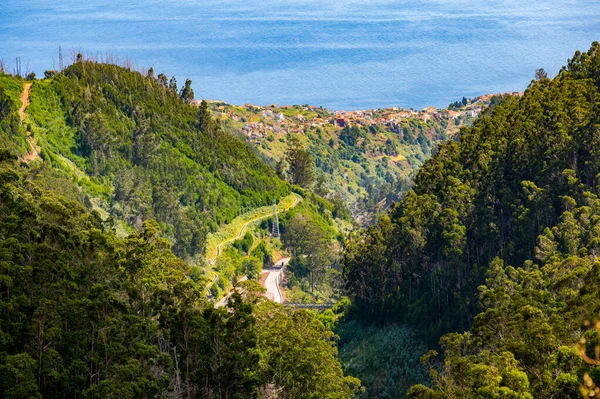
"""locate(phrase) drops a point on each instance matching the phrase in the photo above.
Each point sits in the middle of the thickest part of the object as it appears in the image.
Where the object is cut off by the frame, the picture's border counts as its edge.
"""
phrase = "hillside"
(133, 148)
(499, 238)
(138, 152)
(95, 301)
(88, 314)
(365, 158)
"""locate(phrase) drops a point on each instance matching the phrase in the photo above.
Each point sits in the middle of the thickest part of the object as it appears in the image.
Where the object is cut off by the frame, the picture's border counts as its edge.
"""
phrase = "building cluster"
(261, 120)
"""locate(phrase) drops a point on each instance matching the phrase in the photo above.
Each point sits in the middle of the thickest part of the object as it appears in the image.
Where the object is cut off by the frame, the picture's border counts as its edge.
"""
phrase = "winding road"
(212, 261)
(271, 284)
(273, 279)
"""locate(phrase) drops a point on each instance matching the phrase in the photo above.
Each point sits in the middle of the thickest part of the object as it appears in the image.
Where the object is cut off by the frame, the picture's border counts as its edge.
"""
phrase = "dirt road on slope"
(24, 100)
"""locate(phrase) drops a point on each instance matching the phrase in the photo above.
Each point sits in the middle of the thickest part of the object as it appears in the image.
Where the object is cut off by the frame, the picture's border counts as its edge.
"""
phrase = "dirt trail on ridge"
(24, 100)
(33, 153)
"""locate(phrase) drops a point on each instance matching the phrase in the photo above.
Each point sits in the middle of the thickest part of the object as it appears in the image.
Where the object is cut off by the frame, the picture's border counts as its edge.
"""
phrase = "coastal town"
(257, 122)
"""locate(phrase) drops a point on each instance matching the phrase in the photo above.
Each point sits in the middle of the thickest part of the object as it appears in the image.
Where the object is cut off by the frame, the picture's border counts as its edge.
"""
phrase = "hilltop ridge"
(137, 151)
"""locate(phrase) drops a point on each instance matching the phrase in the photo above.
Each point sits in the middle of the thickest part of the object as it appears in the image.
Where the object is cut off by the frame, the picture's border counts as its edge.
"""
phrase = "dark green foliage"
(518, 188)
(385, 359)
(187, 94)
(305, 348)
(350, 135)
(301, 167)
(218, 353)
(262, 253)
(533, 318)
(78, 305)
(86, 314)
(245, 243)
(489, 194)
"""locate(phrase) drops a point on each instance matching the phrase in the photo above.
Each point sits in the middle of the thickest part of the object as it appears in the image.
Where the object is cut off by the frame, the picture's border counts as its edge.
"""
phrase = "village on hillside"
(365, 157)
(256, 122)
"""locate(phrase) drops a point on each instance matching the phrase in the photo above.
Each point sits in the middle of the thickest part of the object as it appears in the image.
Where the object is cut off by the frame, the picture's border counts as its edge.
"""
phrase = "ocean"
(339, 54)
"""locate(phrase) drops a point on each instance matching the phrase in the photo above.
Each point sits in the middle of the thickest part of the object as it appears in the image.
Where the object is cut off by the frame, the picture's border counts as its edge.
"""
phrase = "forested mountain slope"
(87, 314)
(519, 188)
(141, 151)
(89, 311)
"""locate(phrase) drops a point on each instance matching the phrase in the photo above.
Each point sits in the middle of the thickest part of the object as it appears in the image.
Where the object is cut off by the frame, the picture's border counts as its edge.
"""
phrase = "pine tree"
(301, 166)
(173, 84)
(187, 93)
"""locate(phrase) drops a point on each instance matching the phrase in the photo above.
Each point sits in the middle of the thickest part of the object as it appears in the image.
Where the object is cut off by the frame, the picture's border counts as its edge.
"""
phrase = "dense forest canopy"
(86, 311)
(518, 188)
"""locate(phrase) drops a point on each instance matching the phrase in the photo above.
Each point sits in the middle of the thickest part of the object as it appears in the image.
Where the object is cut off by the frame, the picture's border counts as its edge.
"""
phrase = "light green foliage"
(231, 231)
(140, 151)
(229, 267)
(48, 121)
(13, 86)
(362, 165)
(251, 267)
(12, 134)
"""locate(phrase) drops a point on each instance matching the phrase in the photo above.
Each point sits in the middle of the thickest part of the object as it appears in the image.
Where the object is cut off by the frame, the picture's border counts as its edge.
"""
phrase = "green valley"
(366, 159)
(104, 238)
(440, 253)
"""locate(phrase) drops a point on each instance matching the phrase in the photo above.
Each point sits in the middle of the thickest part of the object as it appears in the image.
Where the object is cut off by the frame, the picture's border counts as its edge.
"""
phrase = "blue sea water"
(342, 54)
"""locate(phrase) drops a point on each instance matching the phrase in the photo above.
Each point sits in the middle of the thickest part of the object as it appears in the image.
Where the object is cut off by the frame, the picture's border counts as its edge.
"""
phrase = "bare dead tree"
(128, 63)
(75, 55)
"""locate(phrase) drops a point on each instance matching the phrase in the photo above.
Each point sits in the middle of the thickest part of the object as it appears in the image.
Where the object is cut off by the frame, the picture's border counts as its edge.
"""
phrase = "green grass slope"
(140, 152)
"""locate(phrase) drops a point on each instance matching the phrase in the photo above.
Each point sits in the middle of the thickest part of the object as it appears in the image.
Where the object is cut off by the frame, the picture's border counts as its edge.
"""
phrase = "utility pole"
(60, 59)
(18, 66)
(275, 230)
